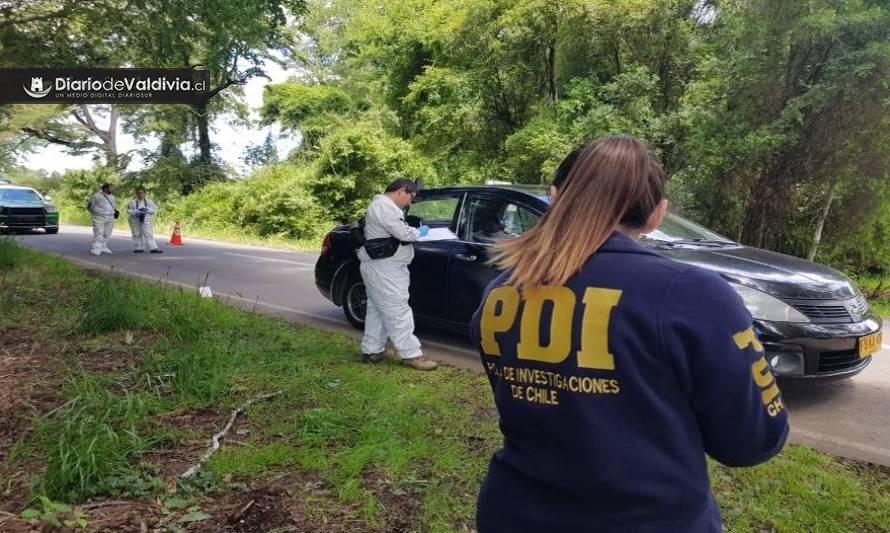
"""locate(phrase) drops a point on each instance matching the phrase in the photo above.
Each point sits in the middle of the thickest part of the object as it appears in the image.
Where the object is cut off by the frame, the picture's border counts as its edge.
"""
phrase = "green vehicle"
(23, 208)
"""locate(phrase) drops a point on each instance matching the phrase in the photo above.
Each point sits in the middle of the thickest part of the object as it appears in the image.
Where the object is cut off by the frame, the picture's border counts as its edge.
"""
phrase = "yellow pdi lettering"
(494, 320)
(746, 338)
(598, 305)
(557, 350)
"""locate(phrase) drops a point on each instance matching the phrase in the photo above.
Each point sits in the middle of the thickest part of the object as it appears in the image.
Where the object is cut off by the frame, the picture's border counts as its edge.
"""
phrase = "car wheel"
(51, 231)
(355, 301)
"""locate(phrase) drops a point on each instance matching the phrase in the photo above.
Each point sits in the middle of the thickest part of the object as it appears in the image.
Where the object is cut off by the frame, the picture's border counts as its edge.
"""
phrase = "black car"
(811, 319)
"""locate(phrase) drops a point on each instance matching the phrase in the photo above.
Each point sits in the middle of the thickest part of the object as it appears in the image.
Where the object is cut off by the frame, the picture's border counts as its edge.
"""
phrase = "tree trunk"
(203, 133)
(112, 138)
(551, 71)
(758, 241)
(108, 137)
(820, 222)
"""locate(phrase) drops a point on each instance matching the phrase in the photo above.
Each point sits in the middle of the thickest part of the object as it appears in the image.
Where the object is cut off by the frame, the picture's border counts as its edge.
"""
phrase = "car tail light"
(326, 244)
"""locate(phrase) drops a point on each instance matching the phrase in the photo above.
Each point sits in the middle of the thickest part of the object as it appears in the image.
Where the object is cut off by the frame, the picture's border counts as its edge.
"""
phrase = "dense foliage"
(771, 117)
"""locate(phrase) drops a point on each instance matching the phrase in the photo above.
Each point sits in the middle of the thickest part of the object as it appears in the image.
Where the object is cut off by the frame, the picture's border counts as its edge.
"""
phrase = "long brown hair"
(615, 180)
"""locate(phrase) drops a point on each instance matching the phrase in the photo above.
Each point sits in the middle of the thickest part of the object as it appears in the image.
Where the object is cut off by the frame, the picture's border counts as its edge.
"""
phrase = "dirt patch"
(27, 387)
(399, 504)
(485, 413)
(24, 368)
(119, 352)
(123, 515)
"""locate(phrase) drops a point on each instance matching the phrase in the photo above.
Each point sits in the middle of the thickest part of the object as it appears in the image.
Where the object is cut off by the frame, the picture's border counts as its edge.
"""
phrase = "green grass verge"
(164, 228)
(351, 427)
(878, 292)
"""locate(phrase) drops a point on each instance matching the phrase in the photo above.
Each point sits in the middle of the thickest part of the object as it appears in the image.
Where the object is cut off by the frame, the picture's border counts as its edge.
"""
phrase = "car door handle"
(465, 257)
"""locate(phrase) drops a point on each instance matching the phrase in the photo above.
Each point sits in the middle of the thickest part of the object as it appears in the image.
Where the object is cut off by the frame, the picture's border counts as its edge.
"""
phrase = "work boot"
(420, 363)
(373, 357)
(157, 251)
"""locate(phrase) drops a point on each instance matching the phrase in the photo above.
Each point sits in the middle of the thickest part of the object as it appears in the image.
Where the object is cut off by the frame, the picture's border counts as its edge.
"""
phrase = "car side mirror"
(414, 221)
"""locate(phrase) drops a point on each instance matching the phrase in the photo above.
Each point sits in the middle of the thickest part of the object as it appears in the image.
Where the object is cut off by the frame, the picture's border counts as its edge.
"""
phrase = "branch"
(48, 137)
(239, 80)
(214, 442)
(90, 124)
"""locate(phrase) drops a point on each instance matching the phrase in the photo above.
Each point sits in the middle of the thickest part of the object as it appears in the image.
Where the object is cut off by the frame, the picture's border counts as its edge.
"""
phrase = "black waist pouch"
(382, 248)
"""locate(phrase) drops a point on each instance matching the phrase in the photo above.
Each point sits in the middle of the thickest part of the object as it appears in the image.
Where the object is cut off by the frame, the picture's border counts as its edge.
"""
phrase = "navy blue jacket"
(613, 388)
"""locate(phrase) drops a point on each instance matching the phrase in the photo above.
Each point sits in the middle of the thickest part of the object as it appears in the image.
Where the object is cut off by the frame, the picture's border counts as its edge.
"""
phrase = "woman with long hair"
(615, 370)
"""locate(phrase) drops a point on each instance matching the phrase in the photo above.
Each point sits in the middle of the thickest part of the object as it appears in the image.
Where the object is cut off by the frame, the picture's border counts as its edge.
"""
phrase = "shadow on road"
(800, 393)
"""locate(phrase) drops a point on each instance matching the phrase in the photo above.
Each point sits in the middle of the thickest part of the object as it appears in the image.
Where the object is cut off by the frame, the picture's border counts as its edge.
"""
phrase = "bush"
(10, 254)
(77, 186)
(274, 201)
(357, 162)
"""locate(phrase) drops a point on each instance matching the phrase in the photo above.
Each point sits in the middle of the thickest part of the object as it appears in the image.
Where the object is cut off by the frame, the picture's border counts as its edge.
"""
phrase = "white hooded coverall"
(143, 232)
(102, 208)
(386, 282)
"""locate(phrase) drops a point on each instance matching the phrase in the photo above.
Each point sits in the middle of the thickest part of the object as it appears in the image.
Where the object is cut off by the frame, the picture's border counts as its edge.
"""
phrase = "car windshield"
(675, 228)
(19, 196)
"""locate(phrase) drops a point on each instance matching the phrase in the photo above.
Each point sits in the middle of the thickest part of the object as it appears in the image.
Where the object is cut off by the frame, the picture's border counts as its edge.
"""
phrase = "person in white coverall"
(102, 208)
(387, 279)
(141, 213)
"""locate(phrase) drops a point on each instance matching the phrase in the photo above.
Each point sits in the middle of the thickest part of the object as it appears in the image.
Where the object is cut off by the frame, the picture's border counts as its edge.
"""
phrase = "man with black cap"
(385, 257)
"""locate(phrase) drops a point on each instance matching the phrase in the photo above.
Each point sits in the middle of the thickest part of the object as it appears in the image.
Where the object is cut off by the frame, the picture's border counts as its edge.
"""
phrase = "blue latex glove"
(424, 230)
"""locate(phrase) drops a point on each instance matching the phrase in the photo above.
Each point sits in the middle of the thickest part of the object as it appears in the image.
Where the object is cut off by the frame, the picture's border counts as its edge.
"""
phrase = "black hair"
(402, 183)
(105, 186)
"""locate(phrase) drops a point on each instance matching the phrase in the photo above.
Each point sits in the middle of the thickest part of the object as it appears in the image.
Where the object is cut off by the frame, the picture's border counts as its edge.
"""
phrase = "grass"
(878, 292)
(362, 433)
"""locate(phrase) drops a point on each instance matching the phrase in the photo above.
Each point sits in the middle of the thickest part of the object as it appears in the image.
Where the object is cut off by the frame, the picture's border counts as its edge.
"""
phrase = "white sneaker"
(106, 251)
(96, 252)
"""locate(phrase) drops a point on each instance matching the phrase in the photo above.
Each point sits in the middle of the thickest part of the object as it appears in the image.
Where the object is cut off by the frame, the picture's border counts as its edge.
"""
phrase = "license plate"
(870, 344)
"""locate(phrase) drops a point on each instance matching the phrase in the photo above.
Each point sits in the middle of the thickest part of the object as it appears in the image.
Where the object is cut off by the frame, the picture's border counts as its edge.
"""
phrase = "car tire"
(51, 231)
(355, 301)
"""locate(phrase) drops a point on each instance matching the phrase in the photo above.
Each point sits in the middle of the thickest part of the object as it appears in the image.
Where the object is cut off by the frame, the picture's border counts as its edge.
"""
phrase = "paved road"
(849, 418)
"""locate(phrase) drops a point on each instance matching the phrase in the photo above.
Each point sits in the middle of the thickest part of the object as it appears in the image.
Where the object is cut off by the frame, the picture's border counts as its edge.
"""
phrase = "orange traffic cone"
(176, 239)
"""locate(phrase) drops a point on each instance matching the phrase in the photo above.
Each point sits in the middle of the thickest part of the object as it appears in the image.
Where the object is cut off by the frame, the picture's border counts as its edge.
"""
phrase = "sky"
(231, 141)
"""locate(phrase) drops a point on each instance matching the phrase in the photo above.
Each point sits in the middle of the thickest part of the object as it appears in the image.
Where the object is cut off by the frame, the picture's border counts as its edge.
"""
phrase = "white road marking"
(271, 260)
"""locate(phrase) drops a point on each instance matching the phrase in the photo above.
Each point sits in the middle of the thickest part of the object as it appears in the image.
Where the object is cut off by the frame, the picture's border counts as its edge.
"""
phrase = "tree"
(788, 103)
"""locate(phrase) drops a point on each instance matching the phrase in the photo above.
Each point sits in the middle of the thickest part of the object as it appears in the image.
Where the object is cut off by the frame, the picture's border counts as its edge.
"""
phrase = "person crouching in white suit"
(385, 257)
(103, 211)
(141, 211)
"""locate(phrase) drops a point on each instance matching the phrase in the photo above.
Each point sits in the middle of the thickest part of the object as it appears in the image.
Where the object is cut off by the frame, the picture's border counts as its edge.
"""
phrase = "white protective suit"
(102, 208)
(386, 282)
(143, 231)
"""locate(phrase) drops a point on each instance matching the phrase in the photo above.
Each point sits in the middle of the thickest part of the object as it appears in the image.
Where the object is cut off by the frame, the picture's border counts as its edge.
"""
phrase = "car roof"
(17, 187)
(530, 192)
